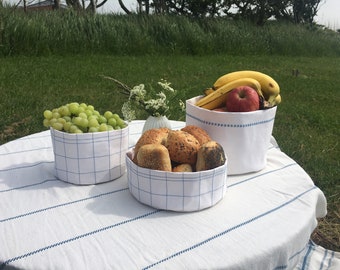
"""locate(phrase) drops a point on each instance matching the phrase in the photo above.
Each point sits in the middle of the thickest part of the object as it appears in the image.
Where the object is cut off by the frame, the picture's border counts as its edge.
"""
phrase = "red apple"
(243, 99)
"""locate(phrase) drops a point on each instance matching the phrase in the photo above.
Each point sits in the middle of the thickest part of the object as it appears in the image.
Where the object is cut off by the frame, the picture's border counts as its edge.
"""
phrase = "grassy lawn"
(306, 125)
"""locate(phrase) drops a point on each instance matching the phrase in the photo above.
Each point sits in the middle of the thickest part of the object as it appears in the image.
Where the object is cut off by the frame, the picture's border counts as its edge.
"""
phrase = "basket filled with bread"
(179, 170)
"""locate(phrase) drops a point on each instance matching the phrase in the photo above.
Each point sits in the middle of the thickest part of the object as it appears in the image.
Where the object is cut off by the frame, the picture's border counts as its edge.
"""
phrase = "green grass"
(306, 126)
(50, 33)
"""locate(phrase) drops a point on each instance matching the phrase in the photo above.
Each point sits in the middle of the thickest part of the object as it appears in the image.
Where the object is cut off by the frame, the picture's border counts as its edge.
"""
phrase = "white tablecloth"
(264, 222)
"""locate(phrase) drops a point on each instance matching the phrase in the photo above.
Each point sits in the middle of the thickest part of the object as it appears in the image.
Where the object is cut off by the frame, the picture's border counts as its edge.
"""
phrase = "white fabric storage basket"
(176, 191)
(245, 136)
(90, 158)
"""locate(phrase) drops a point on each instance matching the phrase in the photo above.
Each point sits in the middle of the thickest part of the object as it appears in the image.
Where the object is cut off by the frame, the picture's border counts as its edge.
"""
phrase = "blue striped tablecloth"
(264, 222)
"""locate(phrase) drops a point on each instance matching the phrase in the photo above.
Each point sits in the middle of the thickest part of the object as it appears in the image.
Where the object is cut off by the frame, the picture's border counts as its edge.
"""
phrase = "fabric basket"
(176, 191)
(245, 136)
(90, 158)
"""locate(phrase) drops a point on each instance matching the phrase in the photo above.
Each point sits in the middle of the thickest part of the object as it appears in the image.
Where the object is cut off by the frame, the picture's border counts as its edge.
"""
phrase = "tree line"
(256, 11)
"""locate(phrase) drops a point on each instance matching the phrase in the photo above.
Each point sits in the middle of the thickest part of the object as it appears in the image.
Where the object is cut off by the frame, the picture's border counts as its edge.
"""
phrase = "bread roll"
(199, 133)
(182, 147)
(211, 155)
(155, 157)
(151, 136)
(182, 168)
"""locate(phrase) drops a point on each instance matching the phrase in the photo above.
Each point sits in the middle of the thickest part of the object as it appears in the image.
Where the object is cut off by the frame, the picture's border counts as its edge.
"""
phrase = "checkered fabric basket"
(176, 191)
(90, 158)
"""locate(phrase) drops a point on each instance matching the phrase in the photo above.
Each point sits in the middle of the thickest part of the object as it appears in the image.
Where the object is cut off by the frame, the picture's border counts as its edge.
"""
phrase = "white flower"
(138, 92)
(139, 97)
(128, 113)
(166, 86)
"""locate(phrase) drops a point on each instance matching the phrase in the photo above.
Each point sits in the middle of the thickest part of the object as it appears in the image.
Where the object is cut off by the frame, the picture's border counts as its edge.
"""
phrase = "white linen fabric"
(176, 191)
(89, 158)
(264, 221)
(244, 136)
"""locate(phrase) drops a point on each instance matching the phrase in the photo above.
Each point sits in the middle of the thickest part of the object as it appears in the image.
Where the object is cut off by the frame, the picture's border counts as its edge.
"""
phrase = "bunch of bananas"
(267, 88)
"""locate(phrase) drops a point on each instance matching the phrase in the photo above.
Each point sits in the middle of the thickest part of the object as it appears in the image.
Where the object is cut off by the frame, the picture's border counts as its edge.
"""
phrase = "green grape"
(93, 122)
(83, 123)
(77, 120)
(73, 107)
(108, 115)
(67, 126)
(67, 118)
(102, 119)
(46, 123)
(80, 110)
(103, 127)
(58, 126)
(121, 123)
(112, 122)
(52, 121)
(93, 117)
(93, 129)
(64, 111)
(48, 114)
(73, 129)
(80, 118)
(61, 120)
(56, 115)
(116, 116)
(89, 112)
(83, 115)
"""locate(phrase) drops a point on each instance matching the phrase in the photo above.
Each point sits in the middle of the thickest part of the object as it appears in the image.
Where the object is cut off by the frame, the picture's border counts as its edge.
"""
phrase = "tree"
(203, 8)
(305, 10)
(257, 11)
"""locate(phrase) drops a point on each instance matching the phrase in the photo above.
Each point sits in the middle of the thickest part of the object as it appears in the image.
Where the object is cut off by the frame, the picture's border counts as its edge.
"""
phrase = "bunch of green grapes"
(81, 118)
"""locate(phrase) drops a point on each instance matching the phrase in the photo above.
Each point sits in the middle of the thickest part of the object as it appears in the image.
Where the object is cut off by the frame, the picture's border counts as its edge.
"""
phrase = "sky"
(328, 14)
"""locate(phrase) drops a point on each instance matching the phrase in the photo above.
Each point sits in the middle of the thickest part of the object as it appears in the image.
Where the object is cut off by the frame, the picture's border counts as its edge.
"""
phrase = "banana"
(208, 91)
(218, 97)
(269, 87)
(277, 100)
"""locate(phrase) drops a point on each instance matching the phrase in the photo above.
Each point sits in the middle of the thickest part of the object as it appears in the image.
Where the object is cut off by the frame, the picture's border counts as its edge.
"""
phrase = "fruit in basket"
(81, 118)
(242, 99)
(269, 87)
(217, 98)
(220, 109)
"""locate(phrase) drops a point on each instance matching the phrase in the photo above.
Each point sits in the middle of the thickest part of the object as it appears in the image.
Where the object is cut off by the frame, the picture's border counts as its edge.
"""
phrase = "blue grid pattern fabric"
(263, 222)
(89, 158)
(181, 192)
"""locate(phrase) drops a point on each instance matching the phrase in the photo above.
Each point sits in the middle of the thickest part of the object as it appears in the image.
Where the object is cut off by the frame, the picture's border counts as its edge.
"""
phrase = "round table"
(264, 221)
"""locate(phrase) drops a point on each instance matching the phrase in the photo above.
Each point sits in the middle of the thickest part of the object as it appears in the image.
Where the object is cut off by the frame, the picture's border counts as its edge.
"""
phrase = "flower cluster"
(152, 102)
